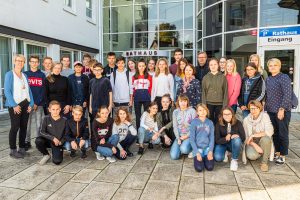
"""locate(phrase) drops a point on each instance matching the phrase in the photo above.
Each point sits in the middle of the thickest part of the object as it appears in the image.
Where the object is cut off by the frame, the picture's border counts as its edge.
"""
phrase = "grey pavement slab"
(36, 195)
(11, 193)
(189, 170)
(157, 190)
(85, 175)
(191, 185)
(135, 181)
(254, 194)
(190, 196)
(114, 173)
(220, 176)
(69, 191)
(167, 172)
(144, 166)
(222, 192)
(248, 180)
(128, 194)
(55, 181)
(151, 154)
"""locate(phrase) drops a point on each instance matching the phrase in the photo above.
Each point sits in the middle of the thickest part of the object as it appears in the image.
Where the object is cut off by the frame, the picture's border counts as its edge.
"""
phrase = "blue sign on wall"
(284, 31)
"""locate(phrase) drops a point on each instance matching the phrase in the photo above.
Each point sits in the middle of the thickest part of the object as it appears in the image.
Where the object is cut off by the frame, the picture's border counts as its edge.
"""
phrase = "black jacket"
(257, 90)
(76, 130)
(201, 71)
(74, 90)
(53, 128)
(221, 132)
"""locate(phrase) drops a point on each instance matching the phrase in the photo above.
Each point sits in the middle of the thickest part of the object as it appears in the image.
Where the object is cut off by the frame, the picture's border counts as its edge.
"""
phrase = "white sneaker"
(44, 160)
(190, 155)
(234, 165)
(111, 159)
(98, 156)
(226, 157)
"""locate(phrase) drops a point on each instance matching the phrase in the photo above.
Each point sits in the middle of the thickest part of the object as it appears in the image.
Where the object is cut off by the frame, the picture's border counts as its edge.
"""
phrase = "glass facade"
(148, 25)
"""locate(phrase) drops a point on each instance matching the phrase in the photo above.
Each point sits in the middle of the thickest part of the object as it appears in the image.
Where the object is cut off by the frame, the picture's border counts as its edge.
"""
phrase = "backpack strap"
(115, 73)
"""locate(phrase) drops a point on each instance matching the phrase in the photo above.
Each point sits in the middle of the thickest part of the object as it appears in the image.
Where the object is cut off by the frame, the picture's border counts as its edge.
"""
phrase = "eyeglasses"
(97, 70)
(34, 62)
(21, 61)
(254, 108)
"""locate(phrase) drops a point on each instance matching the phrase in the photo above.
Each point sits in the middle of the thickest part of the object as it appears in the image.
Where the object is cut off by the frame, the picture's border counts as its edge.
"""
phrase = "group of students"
(190, 110)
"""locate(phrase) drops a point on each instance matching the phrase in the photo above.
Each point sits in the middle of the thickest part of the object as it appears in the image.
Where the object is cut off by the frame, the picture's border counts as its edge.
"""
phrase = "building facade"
(47, 28)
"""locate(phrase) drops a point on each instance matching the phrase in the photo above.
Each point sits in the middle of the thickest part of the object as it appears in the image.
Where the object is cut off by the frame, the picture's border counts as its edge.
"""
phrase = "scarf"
(186, 83)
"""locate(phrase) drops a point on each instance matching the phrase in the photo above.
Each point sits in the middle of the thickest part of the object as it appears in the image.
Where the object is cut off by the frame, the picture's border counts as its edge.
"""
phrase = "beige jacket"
(261, 124)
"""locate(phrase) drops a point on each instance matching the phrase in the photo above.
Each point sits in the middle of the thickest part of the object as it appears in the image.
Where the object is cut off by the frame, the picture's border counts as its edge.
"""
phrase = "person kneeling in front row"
(52, 135)
(77, 133)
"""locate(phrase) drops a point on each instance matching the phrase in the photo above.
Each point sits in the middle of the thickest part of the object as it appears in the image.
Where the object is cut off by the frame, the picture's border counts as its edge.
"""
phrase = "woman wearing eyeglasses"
(19, 101)
(229, 136)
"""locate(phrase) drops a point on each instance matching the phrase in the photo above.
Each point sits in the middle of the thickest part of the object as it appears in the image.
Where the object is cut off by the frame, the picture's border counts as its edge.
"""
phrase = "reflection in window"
(145, 40)
(106, 20)
(240, 46)
(5, 58)
(169, 39)
(209, 2)
(188, 40)
(188, 15)
(188, 55)
(213, 46)
(39, 51)
(106, 42)
(279, 12)
(171, 13)
(145, 17)
(213, 20)
(241, 14)
(199, 28)
(125, 42)
(89, 11)
(122, 19)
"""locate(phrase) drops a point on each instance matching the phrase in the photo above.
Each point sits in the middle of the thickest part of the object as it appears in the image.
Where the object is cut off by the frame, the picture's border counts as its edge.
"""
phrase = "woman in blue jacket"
(19, 101)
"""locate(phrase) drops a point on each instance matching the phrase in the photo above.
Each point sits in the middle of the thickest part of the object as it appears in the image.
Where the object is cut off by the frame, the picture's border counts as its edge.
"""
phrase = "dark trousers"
(199, 165)
(138, 111)
(158, 101)
(18, 122)
(281, 132)
(126, 143)
(57, 151)
(170, 134)
(214, 112)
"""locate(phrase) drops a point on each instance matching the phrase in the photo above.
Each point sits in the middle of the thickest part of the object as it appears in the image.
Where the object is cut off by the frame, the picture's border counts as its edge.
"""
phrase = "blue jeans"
(233, 146)
(245, 113)
(107, 151)
(68, 146)
(177, 150)
(146, 136)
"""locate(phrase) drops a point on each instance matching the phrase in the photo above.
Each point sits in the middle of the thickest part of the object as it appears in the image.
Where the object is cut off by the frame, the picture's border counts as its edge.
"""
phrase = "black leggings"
(138, 111)
(18, 122)
(57, 151)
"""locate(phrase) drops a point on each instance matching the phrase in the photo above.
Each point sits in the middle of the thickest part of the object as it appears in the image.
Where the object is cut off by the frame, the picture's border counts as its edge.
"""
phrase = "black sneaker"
(83, 154)
(150, 146)
(129, 153)
(141, 151)
(15, 154)
(27, 146)
(164, 146)
(72, 154)
(280, 161)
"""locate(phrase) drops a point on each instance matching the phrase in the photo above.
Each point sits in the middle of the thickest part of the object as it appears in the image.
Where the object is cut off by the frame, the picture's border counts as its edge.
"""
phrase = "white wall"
(49, 18)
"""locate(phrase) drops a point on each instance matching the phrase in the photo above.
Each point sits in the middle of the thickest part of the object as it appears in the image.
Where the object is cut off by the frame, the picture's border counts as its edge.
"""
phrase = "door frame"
(296, 48)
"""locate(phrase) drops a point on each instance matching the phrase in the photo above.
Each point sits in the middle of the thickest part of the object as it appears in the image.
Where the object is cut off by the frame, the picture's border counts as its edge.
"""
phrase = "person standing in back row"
(66, 70)
(178, 54)
(111, 66)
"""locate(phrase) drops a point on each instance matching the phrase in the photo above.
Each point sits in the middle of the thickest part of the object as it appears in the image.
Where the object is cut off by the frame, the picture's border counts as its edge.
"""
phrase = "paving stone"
(85, 175)
(36, 195)
(114, 173)
(190, 196)
(30, 178)
(11, 168)
(294, 143)
(98, 190)
(189, 170)
(11, 193)
(191, 185)
(222, 192)
(274, 169)
(69, 191)
(4, 153)
(254, 194)
(55, 181)
(128, 161)
(166, 159)
(144, 166)
(245, 168)
(98, 164)
(75, 166)
(296, 151)
(248, 180)
(151, 154)
(291, 157)
(128, 194)
(167, 172)
(295, 166)
(157, 190)
(135, 181)
(220, 176)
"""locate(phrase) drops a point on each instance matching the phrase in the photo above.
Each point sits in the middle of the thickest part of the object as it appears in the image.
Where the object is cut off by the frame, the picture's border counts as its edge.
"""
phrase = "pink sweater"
(234, 87)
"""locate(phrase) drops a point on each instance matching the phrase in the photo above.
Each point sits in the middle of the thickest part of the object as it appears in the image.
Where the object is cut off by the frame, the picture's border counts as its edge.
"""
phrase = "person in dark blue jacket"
(19, 101)
(36, 80)
(79, 87)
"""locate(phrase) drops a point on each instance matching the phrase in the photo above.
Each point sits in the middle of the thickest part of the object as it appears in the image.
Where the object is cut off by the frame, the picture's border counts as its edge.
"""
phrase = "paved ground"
(151, 176)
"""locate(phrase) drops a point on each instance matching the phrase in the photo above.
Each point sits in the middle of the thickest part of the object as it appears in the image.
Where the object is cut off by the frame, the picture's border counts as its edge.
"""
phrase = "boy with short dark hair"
(86, 68)
(52, 135)
(178, 54)
(111, 66)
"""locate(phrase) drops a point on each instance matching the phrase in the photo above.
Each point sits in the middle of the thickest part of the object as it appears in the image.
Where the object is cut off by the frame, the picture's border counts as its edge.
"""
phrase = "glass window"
(274, 12)
(66, 53)
(120, 2)
(145, 1)
(5, 58)
(122, 19)
(188, 54)
(240, 46)
(240, 14)
(188, 40)
(171, 14)
(170, 39)
(39, 51)
(199, 47)
(106, 3)
(213, 20)
(188, 15)
(199, 5)
(199, 25)
(68, 3)
(106, 20)
(106, 42)
(144, 40)
(124, 42)
(145, 17)
(89, 8)
(20, 47)
(209, 2)
(213, 46)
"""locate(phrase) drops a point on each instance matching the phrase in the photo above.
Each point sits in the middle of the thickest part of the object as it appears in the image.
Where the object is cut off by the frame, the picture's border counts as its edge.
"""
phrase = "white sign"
(279, 36)
(145, 53)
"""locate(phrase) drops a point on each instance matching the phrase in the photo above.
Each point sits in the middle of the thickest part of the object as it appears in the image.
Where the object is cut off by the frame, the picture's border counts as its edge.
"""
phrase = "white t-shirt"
(162, 84)
(21, 89)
